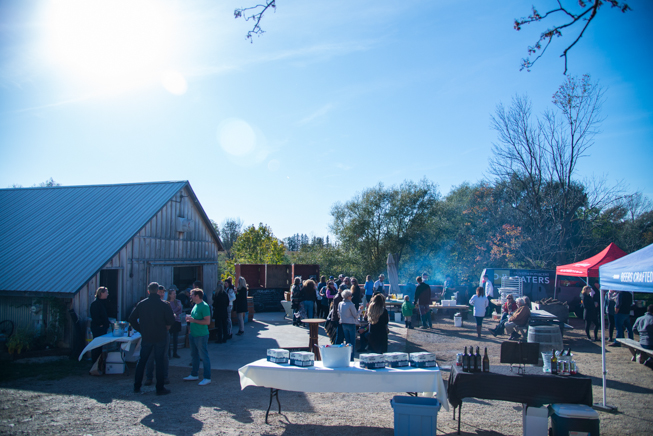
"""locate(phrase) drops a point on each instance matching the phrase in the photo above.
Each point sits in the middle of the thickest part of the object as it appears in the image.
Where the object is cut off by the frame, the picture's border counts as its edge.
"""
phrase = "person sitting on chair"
(518, 319)
(509, 307)
(644, 326)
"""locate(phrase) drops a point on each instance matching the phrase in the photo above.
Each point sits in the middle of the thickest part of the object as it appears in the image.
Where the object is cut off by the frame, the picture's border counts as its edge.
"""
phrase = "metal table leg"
(274, 393)
(459, 409)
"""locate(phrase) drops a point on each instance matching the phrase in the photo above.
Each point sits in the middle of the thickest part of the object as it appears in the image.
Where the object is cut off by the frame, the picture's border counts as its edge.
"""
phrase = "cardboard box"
(302, 358)
(278, 355)
(372, 361)
(114, 368)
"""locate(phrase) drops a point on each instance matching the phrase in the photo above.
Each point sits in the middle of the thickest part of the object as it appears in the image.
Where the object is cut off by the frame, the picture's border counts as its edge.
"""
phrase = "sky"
(334, 98)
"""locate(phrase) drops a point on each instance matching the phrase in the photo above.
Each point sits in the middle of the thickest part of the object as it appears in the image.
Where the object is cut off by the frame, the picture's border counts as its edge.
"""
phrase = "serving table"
(129, 343)
(533, 388)
(347, 379)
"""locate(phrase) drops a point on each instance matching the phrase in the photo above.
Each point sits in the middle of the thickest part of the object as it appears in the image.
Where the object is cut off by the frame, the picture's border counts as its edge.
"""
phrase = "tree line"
(532, 210)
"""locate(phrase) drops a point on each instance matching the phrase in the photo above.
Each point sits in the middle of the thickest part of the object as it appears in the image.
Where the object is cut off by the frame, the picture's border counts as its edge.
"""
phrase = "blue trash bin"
(415, 416)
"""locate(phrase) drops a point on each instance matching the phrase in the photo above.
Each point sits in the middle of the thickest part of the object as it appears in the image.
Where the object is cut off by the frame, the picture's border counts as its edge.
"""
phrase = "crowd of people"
(350, 309)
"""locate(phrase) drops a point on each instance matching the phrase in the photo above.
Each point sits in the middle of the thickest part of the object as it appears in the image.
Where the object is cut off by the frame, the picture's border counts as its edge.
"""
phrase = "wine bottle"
(470, 359)
(477, 361)
(569, 351)
(486, 362)
(554, 363)
(465, 361)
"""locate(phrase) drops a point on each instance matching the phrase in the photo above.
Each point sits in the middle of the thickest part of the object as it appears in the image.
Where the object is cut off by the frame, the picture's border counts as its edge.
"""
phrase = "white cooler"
(114, 364)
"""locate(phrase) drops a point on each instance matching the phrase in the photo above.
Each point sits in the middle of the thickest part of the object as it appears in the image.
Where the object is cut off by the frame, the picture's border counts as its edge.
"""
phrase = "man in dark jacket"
(152, 318)
(622, 316)
(423, 301)
(99, 318)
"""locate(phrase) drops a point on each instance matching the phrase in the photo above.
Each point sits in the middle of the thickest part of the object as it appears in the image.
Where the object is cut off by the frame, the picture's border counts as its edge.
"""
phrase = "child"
(407, 310)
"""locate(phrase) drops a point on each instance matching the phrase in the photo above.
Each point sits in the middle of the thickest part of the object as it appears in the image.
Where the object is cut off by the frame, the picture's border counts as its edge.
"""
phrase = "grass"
(52, 370)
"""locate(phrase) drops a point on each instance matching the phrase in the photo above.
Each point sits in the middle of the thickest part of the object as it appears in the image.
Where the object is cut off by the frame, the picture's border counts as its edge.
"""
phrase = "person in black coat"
(220, 305)
(241, 304)
(99, 318)
(590, 312)
(377, 335)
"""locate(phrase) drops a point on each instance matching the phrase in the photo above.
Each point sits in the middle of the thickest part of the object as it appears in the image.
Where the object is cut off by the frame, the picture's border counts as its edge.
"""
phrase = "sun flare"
(111, 41)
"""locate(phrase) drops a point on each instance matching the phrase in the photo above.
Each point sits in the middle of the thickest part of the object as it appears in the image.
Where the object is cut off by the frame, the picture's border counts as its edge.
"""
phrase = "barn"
(59, 244)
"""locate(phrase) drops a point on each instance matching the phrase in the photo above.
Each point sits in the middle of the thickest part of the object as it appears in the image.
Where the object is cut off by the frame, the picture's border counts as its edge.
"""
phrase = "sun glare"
(112, 41)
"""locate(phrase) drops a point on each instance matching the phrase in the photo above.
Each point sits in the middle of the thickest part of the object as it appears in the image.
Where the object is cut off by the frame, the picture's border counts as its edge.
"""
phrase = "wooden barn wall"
(154, 252)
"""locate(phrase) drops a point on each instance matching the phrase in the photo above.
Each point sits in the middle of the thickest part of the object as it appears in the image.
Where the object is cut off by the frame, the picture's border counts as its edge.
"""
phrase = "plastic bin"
(574, 419)
(535, 421)
(415, 416)
(335, 357)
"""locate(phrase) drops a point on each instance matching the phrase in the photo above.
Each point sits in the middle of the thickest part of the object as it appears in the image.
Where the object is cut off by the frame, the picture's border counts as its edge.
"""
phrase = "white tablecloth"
(130, 343)
(352, 379)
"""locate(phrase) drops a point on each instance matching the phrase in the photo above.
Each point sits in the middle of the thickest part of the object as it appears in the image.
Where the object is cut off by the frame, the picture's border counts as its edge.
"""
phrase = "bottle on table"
(478, 365)
(486, 362)
(554, 362)
(465, 361)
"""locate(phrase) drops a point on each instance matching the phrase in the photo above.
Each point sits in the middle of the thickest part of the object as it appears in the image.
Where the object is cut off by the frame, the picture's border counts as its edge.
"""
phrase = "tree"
(258, 245)
(47, 184)
(256, 16)
(231, 230)
(572, 19)
(535, 161)
(380, 221)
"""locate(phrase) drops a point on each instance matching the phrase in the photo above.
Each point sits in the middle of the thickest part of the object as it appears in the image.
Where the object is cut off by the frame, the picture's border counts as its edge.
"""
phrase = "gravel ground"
(84, 405)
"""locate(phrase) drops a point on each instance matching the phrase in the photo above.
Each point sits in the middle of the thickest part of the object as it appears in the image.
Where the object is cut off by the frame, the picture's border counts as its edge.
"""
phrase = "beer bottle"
(486, 362)
(465, 361)
(554, 363)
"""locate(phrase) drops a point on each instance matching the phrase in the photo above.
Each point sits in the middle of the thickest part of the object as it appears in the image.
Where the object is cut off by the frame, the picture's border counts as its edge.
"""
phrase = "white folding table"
(347, 379)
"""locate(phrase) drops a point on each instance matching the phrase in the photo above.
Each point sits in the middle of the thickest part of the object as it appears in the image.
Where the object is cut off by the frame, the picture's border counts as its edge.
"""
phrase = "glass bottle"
(486, 362)
(554, 363)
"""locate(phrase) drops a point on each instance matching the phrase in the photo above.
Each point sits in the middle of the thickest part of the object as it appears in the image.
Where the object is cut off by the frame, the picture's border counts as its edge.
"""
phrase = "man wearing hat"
(378, 286)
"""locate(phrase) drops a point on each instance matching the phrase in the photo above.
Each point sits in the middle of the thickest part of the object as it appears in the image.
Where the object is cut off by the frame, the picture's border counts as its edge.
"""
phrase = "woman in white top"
(348, 319)
(480, 304)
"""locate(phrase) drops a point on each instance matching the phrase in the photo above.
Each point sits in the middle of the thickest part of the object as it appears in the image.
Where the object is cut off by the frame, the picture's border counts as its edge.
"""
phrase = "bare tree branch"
(256, 16)
(589, 10)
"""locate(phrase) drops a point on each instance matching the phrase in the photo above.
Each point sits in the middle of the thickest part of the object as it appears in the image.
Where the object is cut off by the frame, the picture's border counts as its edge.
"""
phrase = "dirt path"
(83, 405)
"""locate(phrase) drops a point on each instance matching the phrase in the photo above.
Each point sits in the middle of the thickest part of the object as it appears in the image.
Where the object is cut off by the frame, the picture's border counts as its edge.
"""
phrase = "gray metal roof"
(53, 240)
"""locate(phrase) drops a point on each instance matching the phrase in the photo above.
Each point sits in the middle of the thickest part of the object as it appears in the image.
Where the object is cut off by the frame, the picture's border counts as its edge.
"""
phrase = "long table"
(348, 379)
(533, 388)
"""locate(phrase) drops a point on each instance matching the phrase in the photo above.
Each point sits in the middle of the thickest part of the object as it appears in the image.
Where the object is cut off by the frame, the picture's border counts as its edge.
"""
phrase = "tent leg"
(603, 406)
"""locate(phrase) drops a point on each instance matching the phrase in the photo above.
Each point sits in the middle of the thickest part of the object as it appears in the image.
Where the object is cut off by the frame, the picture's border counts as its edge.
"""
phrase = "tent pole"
(555, 287)
(604, 407)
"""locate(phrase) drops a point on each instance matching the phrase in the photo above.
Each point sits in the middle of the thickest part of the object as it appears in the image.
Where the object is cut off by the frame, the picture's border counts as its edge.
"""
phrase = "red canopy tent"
(590, 267)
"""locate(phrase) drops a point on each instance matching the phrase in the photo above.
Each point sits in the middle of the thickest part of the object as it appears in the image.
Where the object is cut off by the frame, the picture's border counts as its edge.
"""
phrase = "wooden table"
(313, 326)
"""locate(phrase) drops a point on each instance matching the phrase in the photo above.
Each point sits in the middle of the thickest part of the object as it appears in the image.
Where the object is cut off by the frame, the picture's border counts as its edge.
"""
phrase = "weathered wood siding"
(154, 252)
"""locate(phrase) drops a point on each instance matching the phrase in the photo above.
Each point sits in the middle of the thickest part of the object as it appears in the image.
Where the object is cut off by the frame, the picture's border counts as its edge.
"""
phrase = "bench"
(634, 347)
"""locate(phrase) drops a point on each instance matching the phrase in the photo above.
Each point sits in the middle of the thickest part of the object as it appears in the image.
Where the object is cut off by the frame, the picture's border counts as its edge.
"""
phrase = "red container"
(306, 271)
(254, 274)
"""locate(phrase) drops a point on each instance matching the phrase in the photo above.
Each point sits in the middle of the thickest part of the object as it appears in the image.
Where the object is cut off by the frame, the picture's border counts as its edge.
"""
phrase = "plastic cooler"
(574, 420)
(415, 416)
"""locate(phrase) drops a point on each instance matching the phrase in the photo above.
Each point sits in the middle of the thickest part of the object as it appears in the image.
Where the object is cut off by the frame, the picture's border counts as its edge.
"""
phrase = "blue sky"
(335, 97)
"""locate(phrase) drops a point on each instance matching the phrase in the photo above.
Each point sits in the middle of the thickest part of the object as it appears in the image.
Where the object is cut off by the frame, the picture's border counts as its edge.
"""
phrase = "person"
(231, 292)
(610, 303)
(518, 319)
(199, 320)
(296, 301)
(152, 319)
(220, 308)
(447, 288)
(407, 311)
(346, 284)
(489, 293)
(184, 297)
(318, 297)
(149, 368)
(241, 304)
(308, 293)
(369, 289)
(348, 319)
(423, 301)
(356, 294)
(339, 281)
(177, 310)
(644, 326)
(335, 317)
(377, 335)
(508, 308)
(480, 303)
(379, 286)
(99, 318)
(323, 305)
(589, 312)
(622, 307)
(331, 292)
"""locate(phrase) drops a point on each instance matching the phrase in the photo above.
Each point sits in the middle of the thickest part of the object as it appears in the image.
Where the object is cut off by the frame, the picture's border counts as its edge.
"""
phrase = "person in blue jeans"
(348, 319)
(622, 316)
(309, 297)
(199, 320)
